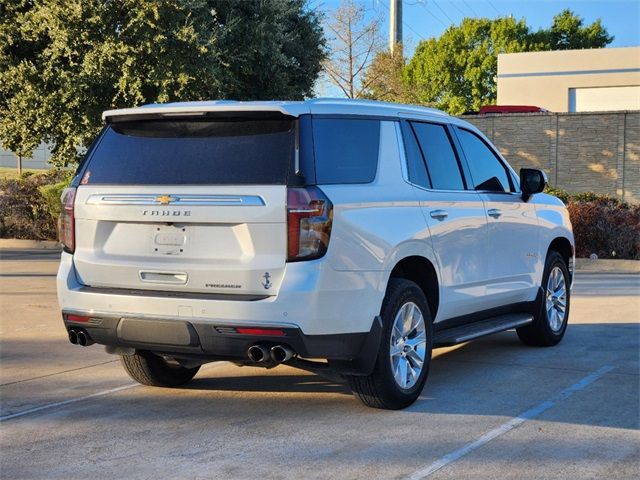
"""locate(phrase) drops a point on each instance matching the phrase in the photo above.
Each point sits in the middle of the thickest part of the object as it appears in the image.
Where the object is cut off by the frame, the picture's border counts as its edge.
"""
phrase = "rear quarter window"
(346, 150)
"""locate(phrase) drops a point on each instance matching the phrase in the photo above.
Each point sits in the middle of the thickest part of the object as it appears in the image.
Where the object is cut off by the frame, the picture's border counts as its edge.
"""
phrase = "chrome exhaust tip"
(84, 339)
(73, 337)
(281, 354)
(258, 353)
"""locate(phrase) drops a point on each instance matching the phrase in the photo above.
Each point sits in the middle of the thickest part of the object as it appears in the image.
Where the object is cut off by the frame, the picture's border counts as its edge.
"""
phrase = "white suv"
(342, 237)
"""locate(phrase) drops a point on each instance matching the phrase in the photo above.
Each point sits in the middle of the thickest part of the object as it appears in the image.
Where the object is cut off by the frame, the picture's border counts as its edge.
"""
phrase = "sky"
(429, 18)
(423, 19)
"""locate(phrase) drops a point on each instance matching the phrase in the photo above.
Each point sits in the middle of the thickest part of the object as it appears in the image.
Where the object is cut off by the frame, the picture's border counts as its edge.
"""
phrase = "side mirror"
(532, 181)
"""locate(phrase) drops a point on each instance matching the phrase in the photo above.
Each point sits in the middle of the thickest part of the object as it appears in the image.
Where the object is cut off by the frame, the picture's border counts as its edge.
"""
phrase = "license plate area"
(169, 239)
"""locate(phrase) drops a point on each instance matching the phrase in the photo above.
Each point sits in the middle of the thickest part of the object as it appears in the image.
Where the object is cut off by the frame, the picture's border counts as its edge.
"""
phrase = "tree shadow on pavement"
(496, 375)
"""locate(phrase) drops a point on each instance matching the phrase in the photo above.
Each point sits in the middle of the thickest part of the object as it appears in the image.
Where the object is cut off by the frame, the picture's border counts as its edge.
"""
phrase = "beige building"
(599, 79)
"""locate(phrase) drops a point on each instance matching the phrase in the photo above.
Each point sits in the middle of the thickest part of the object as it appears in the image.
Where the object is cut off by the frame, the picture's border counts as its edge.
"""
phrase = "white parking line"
(510, 425)
(47, 406)
(66, 402)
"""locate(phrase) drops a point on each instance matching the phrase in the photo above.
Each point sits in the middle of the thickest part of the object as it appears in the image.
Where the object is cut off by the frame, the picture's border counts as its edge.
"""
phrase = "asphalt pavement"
(492, 408)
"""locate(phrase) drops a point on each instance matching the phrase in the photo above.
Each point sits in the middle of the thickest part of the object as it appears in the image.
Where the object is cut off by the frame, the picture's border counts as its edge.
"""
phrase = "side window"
(487, 171)
(346, 150)
(415, 164)
(442, 163)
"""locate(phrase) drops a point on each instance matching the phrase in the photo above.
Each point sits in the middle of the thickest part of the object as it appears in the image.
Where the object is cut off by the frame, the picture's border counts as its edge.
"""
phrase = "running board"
(470, 331)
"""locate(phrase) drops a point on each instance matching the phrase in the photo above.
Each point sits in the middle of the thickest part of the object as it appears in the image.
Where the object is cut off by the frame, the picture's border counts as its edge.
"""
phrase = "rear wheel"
(550, 322)
(404, 356)
(149, 369)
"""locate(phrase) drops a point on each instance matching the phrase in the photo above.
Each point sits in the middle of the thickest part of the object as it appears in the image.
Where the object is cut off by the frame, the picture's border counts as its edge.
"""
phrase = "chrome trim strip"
(177, 200)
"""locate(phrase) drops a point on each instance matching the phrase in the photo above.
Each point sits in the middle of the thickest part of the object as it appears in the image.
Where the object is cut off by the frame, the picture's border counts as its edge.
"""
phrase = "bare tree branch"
(365, 63)
(338, 81)
(352, 44)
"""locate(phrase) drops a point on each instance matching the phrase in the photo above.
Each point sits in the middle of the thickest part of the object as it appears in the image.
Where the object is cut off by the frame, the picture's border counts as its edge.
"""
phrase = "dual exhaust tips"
(80, 337)
(263, 354)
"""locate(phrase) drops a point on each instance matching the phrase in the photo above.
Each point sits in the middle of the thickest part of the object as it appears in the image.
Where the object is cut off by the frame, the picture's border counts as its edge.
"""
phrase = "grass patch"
(8, 173)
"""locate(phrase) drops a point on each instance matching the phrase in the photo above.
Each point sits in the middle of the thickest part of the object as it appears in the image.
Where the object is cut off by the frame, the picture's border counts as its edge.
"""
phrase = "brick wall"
(598, 152)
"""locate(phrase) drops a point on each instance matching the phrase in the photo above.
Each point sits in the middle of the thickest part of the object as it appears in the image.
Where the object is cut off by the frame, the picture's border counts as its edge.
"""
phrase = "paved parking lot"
(491, 409)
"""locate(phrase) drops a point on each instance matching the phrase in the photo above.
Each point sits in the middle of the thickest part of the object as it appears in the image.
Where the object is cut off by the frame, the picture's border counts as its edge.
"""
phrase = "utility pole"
(395, 24)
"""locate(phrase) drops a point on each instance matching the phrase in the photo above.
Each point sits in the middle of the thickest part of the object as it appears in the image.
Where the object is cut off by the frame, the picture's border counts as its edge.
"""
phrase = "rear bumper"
(324, 314)
(199, 337)
(351, 353)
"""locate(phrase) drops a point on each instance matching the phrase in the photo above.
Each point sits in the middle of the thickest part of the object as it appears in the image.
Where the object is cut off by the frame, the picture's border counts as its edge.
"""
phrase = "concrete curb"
(30, 244)
(607, 266)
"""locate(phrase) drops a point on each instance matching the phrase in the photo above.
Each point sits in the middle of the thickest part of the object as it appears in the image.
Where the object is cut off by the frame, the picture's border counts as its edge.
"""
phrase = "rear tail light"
(309, 215)
(265, 332)
(66, 222)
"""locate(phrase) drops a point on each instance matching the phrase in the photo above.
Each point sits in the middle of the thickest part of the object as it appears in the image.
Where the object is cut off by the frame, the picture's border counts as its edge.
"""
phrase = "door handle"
(439, 214)
(494, 212)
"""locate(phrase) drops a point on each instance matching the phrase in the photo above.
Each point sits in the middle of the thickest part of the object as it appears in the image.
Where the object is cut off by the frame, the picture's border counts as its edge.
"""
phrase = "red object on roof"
(489, 109)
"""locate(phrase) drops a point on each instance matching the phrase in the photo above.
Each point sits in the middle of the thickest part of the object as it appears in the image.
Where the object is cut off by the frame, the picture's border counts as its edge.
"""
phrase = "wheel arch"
(423, 272)
(564, 247)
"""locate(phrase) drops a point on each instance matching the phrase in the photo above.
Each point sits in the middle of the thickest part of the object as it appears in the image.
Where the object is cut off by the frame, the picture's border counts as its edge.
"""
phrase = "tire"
(149, 369)
(381, 389)
(548, 327)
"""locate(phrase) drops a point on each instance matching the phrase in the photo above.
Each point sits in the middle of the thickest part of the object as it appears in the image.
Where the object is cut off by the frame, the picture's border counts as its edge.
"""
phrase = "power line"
(494, 7)
(443, 12)
(403, 22)
(470, 8)
(429, 12)
(453, 4)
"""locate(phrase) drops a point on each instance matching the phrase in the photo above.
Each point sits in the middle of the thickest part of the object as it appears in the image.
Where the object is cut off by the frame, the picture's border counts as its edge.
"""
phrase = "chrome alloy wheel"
(556, 303)
(408, 345)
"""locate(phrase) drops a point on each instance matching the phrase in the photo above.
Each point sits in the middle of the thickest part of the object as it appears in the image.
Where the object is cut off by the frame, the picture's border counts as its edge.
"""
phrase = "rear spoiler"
(226, 109)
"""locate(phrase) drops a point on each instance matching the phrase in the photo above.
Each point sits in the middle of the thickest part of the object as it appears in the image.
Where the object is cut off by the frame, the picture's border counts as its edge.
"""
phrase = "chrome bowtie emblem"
(165, 199)
(267, 281)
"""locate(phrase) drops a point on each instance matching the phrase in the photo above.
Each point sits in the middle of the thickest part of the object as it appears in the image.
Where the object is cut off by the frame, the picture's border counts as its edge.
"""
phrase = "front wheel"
(404, 355)
(550, 321)
(149, 369)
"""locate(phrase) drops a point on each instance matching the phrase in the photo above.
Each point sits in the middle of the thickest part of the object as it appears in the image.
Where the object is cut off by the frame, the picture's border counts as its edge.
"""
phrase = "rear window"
(346, 150)
(193, 151)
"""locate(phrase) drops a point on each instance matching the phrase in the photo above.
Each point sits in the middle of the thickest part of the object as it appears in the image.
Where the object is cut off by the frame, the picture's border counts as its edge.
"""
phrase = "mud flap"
(365, 362)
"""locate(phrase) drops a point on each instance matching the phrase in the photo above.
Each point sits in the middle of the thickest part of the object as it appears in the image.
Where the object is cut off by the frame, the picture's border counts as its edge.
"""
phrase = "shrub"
(605, 226)
(30, 204)
(53, 191)
(558, 192)
(592, 197)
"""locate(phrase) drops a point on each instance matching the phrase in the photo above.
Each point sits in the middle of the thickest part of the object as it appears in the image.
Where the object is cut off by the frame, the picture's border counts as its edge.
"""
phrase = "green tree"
(568, 32)
(270, 49)
(456, 72)
(62, 62)
(384, 78)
